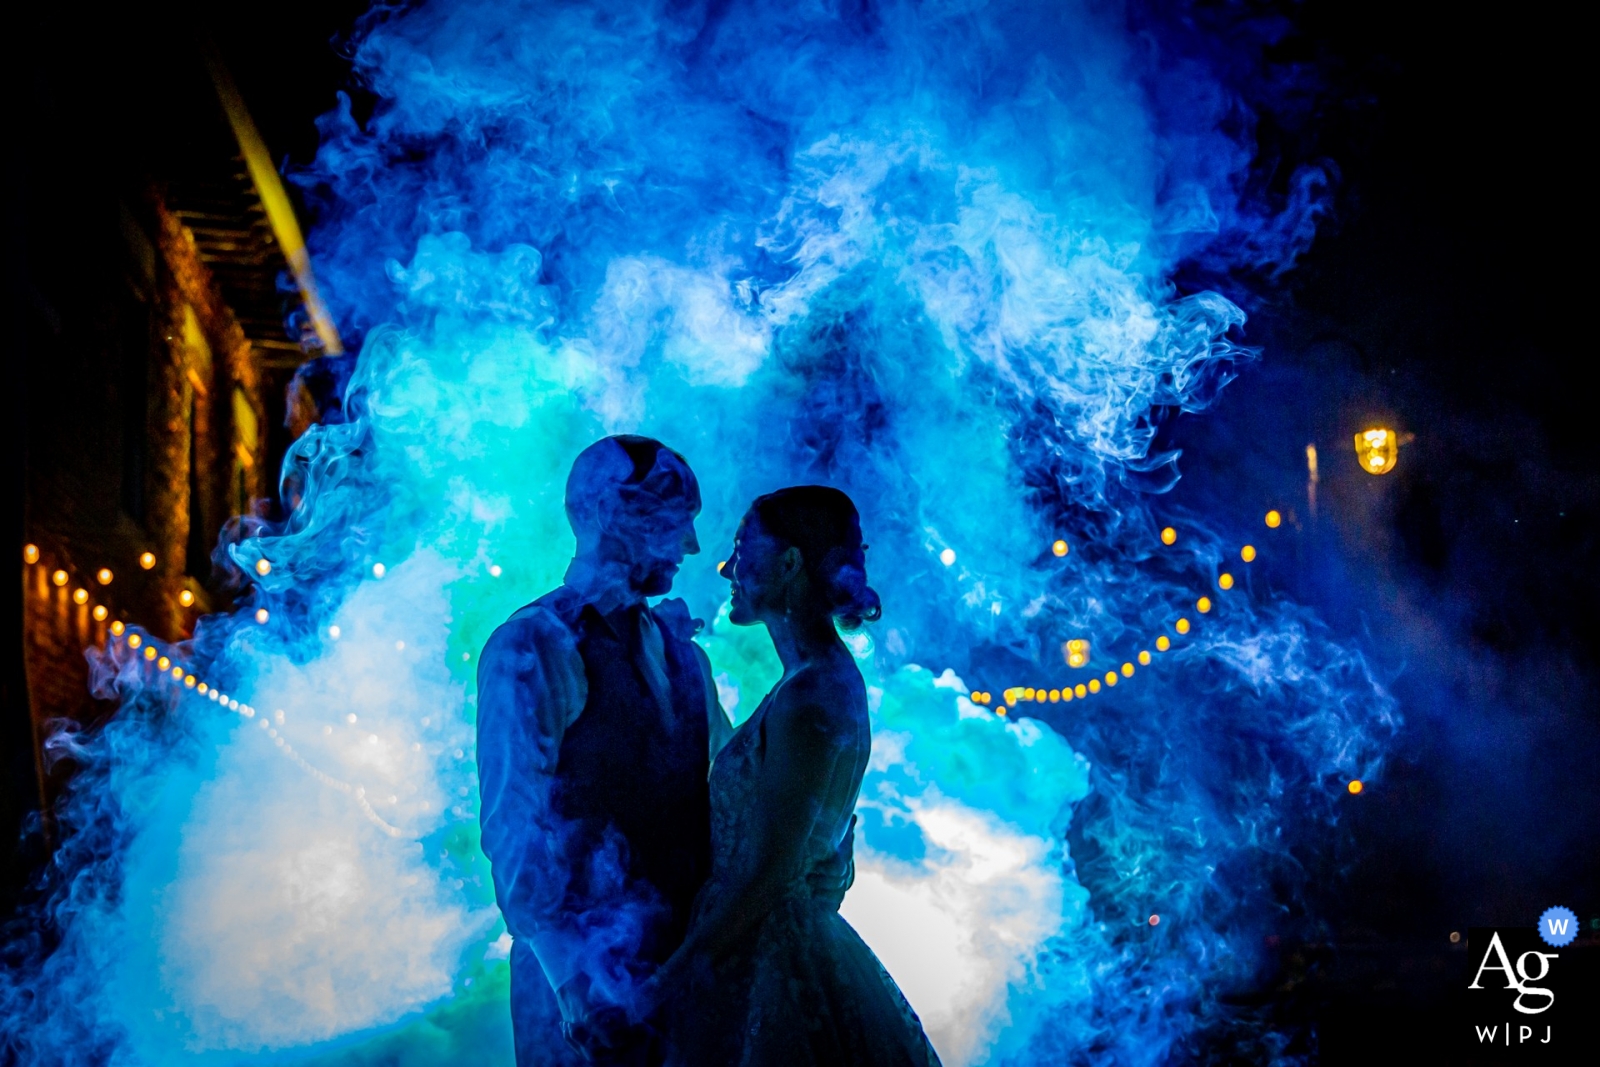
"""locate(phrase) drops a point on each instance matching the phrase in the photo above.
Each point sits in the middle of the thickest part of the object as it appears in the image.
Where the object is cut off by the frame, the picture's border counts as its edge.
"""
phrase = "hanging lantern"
(1377, 449)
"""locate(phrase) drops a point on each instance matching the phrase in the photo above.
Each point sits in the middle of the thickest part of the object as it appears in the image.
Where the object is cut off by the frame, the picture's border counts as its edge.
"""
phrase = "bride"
(769, 973)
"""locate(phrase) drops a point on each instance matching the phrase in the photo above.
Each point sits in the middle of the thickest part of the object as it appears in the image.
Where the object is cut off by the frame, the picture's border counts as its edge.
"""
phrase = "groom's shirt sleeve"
(531, 688)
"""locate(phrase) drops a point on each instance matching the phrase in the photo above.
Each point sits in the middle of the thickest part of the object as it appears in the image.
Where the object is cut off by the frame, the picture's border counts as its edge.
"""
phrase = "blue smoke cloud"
(919, 251)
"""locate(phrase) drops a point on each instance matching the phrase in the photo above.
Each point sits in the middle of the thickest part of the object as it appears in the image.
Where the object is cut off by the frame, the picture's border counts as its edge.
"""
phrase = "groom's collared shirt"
(533, 688)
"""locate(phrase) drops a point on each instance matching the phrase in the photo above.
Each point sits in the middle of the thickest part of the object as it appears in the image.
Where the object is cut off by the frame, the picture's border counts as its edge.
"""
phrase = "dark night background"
(1442, 297)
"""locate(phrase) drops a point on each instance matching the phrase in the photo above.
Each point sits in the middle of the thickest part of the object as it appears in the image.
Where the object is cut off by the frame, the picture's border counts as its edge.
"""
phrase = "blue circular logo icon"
(1558, 926)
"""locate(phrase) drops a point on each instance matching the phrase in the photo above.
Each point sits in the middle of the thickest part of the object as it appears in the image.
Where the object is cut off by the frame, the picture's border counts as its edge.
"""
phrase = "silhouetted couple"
(674, 881)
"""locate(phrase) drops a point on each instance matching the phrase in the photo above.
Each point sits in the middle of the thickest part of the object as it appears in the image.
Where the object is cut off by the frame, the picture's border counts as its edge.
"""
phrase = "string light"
(333, 632)
(163, 663)
(263, 566)
(947, 557)
(1203, 605)
(379, 570)
(149, 651)
(30, 554)
(1127, 670)
(80, 596)
(1094, 685)
(1163, 643)
(1169, 536)
(59, 578)
(134, 640)
(1274, 520)
(186, 598)
(1076, 652)
(1144, 657)
(262, 615)
(1355, 786)
(495, 571)
(1182, 626)
(1224, 580)
(1248, 553)
(99, 613)
(1080, 691)
(104, 576)
(1059, 548)
(117, 627)
(147, 560)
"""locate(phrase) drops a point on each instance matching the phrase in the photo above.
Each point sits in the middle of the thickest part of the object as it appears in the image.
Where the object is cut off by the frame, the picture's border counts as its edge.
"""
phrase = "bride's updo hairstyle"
(823, 524)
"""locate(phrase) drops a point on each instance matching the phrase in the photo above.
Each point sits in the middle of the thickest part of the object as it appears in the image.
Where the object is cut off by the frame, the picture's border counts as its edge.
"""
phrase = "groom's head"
(632, 501)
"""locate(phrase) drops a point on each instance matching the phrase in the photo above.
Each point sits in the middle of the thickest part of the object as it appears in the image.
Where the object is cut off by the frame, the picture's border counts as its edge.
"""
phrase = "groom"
(597, 721)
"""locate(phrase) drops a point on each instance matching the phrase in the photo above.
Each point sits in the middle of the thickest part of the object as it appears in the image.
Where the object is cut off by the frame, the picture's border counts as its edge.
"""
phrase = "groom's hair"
(626, 469)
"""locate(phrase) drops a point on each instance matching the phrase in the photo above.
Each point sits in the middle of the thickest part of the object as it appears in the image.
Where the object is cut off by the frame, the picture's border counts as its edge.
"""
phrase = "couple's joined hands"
(604, 1032)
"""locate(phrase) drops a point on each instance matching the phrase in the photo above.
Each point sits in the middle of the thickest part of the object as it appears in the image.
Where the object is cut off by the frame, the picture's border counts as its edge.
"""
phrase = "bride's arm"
(804, 740)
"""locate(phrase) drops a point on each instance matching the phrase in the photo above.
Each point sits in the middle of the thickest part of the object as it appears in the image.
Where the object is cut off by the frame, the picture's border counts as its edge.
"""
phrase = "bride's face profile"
(761, 569)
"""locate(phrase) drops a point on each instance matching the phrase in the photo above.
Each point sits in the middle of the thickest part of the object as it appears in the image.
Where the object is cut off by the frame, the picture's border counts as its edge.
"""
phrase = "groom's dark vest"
(631, 781)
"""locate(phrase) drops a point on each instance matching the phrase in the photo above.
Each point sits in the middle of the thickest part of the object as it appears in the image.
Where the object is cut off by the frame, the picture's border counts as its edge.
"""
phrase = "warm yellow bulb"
(189, 680)
(59, 578)
(1066, 694)
(1059, 548)
(1225, 580)
(163, 663)
(149, 651)
(1274, 520)
(1127, 670)
(1169, 535)
(177, 672)
(117, 628)
(1080, 690)
(104, 575)
(263, 567)
(147, 560)
(134, 640)
(100, 613)
(1182, 626)
(1111, 677)
(30, 553)
(977, 697)
(1094, 685)
(1163, 643)
(202, 688)
(1355, 786)
(1027, 694)
(1000, 712)
(1248, 553)
(1055, 696)
(185, 597)
(1203, 605)
(80, 596)
(1144, 657)
(262, 615)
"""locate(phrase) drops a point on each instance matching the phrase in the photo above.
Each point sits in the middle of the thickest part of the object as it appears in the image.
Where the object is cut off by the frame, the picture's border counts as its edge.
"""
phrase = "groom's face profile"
(635, 509)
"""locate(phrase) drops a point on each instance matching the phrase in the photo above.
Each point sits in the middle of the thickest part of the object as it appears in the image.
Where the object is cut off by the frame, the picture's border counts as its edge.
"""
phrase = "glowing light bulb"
(1055, 696)
(379, 570)
(149, 651)
(262, 615)
(80, 596)
(1203, 605)
(1163, 643)
(1076, 652)
(1274, 520)
(1182, 626)
(494, 571)
(333, 632)
(202, 689)
(1000, 712)
(1355, 786)
(1059, 548)
(1094, 685)
(100, 613)
(1111, 677)
(30, 553)
(1225, 580)
(1248, 553)
(104, 576)
(117, 628)
(1127, 670)
(186, 598)
(134, 641)
(263, 567)
(1377, 449)
(1066, 694)
(1144, 657)
(1169, 536)
(59, 578)
(147, 560)
(1080, 690)
(163, 663)
(947, 557)
(189, 680)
